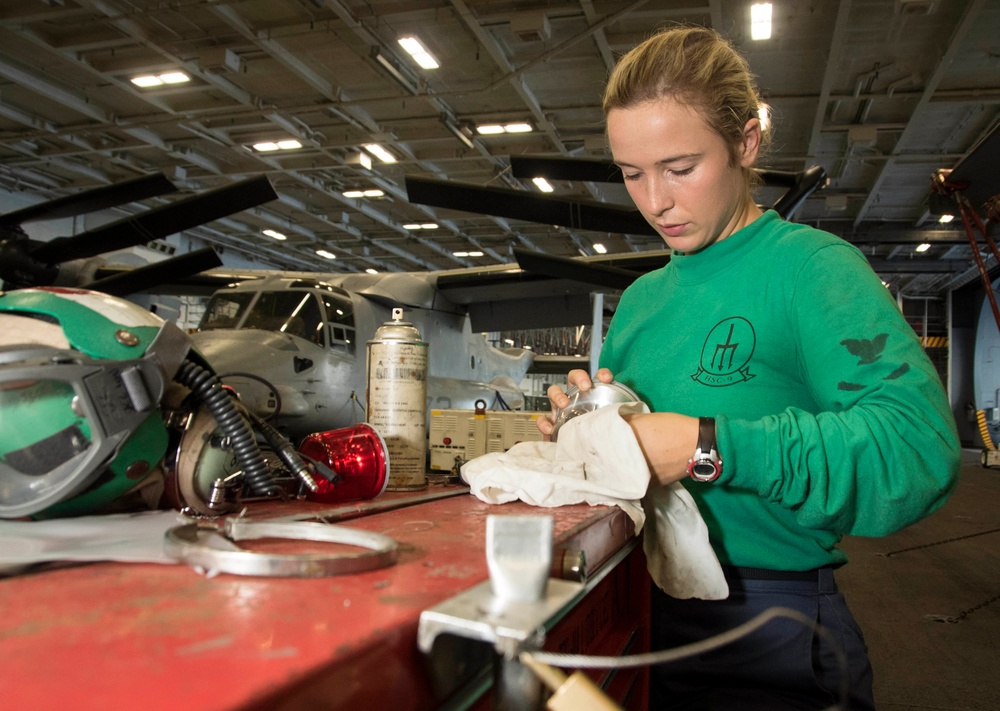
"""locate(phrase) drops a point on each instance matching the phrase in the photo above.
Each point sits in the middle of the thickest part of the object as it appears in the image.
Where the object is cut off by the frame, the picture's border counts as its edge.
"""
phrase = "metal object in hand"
(598, 396)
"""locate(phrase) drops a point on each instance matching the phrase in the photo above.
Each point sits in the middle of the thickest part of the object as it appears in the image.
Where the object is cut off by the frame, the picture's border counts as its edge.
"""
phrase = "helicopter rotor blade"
(520, 205)
(148, 277)
(158, 222)
(601, 275)
(559, 168)
(101, 198)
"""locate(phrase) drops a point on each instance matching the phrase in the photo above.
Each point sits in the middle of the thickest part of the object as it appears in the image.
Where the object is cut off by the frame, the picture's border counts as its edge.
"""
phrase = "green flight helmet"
(82, 375)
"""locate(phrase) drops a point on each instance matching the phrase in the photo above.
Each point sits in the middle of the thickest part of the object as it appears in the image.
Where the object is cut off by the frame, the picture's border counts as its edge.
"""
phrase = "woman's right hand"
(559, 399)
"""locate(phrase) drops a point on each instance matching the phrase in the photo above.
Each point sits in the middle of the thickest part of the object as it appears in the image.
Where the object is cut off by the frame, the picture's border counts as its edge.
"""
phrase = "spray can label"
(397, 402)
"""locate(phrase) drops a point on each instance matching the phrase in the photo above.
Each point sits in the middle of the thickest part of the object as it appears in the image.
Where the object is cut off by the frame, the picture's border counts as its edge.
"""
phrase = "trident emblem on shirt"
(725, 356)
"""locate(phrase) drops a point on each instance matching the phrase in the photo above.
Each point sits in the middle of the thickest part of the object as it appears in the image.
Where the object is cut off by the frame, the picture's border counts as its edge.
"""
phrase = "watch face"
(704, 469)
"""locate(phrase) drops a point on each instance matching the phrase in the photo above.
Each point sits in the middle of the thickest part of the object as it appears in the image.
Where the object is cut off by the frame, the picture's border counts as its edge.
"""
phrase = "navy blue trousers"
(783, 665)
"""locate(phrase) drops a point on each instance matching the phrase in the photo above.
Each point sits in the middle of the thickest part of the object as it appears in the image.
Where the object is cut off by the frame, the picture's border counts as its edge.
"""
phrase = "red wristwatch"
(705, 465)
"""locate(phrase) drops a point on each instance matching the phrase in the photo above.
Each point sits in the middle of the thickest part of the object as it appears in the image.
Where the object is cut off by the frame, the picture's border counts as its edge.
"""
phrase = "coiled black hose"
(208, 388)
(285, 450)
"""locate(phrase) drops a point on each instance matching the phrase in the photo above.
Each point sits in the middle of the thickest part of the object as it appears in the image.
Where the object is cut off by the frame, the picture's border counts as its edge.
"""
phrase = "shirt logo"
(725, 357)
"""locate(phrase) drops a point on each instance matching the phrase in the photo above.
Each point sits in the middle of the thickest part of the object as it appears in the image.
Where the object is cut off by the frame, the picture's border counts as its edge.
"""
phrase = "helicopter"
(293, 344)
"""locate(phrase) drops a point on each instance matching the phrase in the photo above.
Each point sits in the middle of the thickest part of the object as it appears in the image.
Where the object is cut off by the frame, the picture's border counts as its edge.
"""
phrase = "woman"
(786, 389)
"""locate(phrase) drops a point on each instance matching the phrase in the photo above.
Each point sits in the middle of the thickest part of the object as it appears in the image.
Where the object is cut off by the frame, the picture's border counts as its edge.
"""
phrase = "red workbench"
(149, 636)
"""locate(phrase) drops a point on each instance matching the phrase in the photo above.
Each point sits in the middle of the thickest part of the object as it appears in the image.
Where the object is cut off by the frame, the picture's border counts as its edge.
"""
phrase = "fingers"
(578, 378)
(604, 375)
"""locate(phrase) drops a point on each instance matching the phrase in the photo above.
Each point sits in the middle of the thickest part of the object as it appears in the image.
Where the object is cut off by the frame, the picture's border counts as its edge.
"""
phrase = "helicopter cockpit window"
(340, 316)
(293, 312)
(225, 309)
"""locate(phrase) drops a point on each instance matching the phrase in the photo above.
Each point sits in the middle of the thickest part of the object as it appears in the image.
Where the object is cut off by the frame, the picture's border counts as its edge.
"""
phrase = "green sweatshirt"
(831, 419)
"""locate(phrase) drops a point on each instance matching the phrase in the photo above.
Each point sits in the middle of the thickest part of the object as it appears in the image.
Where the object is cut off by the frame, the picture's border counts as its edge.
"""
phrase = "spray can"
(397, 400)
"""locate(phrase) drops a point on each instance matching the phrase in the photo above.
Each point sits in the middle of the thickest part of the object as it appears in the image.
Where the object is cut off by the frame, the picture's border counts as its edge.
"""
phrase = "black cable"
(284, 448)
(208, 388)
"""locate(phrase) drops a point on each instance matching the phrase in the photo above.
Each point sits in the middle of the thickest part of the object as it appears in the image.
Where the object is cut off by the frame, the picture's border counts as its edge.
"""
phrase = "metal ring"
(185, 543)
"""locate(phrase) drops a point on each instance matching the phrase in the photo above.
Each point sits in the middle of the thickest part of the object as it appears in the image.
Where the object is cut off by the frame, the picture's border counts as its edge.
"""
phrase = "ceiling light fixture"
(415, 48)
(945, 219)
(760, 21)
(421, 226)
(493, 129)
(600, 248)
(326, 255)
(289, 144)
(275, 234)
(381, 153)
(369, 270)
(467, 254)
(370, 193)
(922, 247)
(542, 184)
(147, 81)
(518, 128)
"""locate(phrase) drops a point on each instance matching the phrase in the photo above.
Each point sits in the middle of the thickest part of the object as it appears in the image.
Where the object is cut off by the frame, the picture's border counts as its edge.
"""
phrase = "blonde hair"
(697, 67)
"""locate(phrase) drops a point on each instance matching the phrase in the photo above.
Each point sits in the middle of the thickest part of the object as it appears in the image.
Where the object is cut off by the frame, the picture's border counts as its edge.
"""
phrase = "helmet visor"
(61, 422)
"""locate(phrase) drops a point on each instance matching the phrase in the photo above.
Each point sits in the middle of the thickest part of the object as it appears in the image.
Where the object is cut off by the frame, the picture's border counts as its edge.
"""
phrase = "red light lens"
(357, 455)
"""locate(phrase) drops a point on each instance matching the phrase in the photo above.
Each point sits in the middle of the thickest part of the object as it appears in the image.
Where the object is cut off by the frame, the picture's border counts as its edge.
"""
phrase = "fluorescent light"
(275, 234)
(475, 254)
(288, 144)
(150, 80)
(493, 129)
(326, 255)
(922, 247)
(380, 153)
(542, 185)
(420, 226)
(467, 254)
(373, 193)
(600, 248)
(369, 270)
(760, 21)
(416, 49)
(945, 219)
(174, 78)
(147, 80)
(429, 226)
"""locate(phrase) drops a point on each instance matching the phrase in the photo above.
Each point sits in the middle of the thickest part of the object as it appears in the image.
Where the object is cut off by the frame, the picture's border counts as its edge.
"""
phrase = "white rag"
(597, 460)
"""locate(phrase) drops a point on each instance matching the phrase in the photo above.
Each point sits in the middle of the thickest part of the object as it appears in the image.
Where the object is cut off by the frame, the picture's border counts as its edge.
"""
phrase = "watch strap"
(705, 465)
(706, 434)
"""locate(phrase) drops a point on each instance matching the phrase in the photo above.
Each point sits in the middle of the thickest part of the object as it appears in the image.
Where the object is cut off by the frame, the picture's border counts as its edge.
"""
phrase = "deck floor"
(895, 585)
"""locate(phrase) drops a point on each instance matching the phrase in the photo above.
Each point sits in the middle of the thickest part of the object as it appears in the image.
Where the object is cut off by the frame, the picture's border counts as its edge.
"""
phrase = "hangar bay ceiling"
(879, 93)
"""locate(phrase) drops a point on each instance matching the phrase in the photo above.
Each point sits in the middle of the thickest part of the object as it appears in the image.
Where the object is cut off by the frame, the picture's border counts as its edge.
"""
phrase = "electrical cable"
(208, 388)
(498, 400)
(581, 661)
